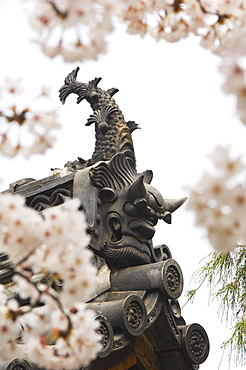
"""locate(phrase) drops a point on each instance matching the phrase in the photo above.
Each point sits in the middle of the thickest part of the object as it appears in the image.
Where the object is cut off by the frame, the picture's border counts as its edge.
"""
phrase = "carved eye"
(130, 209)
(107, 195)
(156, 200)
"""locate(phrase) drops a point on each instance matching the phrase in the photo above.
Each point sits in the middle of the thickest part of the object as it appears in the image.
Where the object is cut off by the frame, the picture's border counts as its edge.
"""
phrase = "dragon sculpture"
(113, 133)
(138, 285)
(125, 208)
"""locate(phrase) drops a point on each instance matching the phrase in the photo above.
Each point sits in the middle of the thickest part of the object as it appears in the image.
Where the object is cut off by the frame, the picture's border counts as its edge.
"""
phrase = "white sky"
(173, 92)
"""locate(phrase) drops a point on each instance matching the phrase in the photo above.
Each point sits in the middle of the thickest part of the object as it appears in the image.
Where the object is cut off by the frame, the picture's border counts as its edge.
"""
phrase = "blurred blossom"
(59, 331)
(73, 29)
(78, 30)
(68, 353)
(12, 86)
(24, 129)
(46, 90)
(20, 231)
(219, 201)
(235, 84)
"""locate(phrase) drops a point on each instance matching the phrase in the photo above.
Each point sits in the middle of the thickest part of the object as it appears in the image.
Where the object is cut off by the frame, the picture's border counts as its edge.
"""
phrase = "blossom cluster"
(77, 30)
(235, 84)
(24, 128)
(219, 202)
(43, 313)
(216, 22)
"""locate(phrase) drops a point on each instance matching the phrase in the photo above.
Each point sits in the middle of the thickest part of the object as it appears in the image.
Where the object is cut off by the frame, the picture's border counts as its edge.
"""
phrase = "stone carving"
(125, 208)
(123, 211)
(113, 133)
(138, 284)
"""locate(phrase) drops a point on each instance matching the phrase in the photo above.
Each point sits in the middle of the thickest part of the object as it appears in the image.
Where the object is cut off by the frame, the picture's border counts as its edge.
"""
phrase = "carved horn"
(172, 204)
(137, 190)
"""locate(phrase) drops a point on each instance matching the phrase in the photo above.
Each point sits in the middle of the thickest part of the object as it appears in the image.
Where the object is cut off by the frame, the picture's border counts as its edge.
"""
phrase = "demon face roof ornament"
(137, 285)
(122, 208)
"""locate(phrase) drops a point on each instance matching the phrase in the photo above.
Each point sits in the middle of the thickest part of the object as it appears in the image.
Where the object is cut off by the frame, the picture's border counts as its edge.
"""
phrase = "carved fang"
(167, 217)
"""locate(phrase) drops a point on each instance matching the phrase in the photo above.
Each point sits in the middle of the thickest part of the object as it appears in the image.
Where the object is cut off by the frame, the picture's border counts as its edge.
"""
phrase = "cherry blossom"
(222, 21)
(235, 84)
(73, 29)
(67, 353)
(10, 330)
(44, 314)
(219, 201)
(12, 86)
(50, 261)
(78, 30)
(19, 227)
(24, 129)
(223, 162)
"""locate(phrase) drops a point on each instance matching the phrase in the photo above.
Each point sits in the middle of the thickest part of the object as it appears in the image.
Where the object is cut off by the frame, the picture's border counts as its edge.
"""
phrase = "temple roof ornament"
(138, 284)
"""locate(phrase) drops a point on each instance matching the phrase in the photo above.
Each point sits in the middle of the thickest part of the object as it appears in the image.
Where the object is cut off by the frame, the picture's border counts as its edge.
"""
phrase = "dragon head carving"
(122, 209)
(121, 206)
